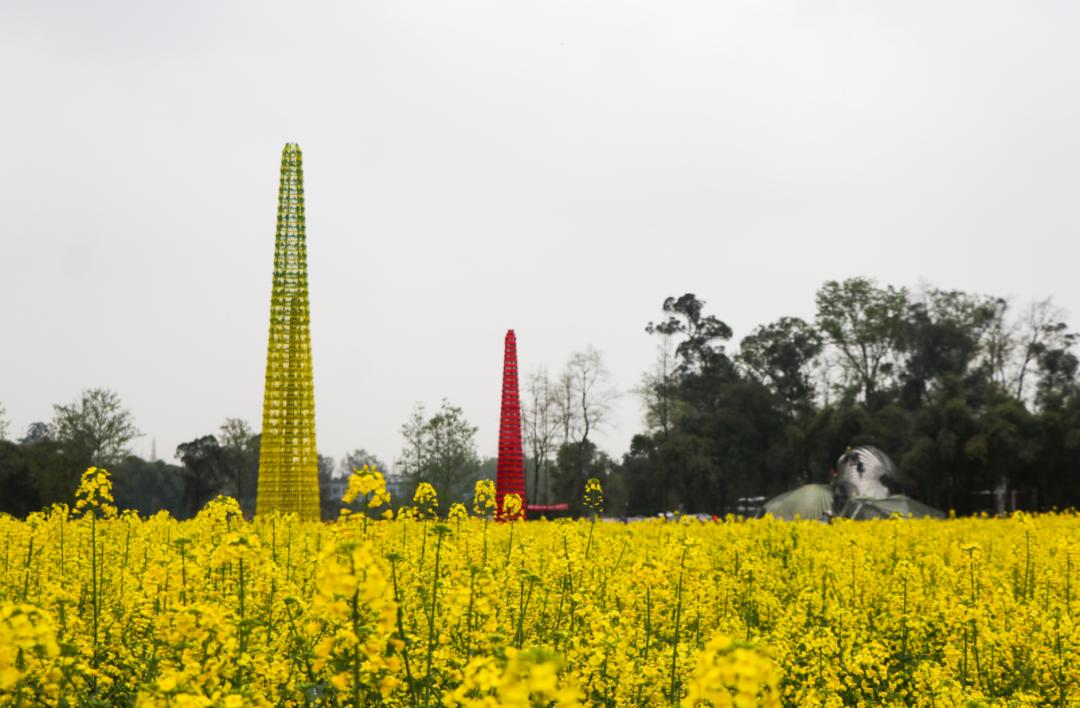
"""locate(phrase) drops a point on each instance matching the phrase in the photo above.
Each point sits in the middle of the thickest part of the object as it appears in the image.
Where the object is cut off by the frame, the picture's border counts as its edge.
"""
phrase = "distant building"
(397, 485)
(333, 489)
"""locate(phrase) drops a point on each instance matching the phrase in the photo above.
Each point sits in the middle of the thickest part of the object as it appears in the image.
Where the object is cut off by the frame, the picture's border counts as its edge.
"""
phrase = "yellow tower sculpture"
(288, 465)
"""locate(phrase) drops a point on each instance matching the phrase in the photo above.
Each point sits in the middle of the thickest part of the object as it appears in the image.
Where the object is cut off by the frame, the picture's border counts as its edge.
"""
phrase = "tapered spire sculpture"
(288, 466)
(510, 470)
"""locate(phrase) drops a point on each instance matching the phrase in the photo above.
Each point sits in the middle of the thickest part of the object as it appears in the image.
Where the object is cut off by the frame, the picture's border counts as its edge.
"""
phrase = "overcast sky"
(554, 167)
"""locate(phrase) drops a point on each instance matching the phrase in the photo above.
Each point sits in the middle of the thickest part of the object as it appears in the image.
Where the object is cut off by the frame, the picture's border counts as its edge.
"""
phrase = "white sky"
(554, 167)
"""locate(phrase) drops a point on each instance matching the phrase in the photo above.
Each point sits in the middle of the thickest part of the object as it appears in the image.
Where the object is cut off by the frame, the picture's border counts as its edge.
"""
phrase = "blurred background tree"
(439, 449)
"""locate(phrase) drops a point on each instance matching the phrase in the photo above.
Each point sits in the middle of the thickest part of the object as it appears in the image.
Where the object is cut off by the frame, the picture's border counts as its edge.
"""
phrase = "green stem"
(26, 577)
(401, 632)
(127, 553)
(356, 645)
(432, 636)
(469, 615)
(183, 573)
(648, 635)
(1068, 593)
(678, 617)
(94, 581)
(523, 608)
(243, 633)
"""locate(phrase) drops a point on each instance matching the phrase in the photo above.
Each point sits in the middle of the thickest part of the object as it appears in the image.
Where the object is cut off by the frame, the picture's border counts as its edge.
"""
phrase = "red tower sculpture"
(510, 471)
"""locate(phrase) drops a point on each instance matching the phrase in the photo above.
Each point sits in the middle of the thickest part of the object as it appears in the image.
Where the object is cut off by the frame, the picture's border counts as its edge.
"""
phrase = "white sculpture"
(867, 472)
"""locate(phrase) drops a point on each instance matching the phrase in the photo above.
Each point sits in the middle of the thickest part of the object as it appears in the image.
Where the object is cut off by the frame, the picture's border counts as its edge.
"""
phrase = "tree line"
(44, 466)
(976, 399)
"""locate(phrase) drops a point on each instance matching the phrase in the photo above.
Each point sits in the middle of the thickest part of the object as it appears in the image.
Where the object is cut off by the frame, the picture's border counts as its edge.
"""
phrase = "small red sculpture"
(510, 470)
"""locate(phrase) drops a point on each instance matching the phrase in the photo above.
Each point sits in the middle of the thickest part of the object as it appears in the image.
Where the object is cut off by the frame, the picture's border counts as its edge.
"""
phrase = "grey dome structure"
(867, 486)
(862, 508)
(810, 501)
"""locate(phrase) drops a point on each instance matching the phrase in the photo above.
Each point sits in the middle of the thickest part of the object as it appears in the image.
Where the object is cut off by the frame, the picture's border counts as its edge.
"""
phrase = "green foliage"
(358, 459)
(441, 451)
(936, 379)
(865, 324)
(20, 495)
(149, 486)
(575, 462)
(702, 335)
(205, 472)
(240, 453)
(781, 355)
(96, 428)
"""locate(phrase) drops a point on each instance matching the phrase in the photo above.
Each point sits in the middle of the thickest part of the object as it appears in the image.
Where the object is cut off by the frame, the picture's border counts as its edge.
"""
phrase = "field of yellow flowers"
(103, 609)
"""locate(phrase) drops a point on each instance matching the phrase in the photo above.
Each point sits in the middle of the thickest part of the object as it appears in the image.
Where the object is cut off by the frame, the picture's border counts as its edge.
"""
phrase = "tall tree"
(235, 433)
(96, 427)
(1041, 331)
(781, 355)
(205, 472)
(542, 425)
(36, 432)
(413, 457)
(357, 459)
(701, 336)
(999, 344)
(591, 395)
(658, 388)
(681, 397)
(240, 454)
(592, 392)
(566, 408)
(865, 323)
(440, 450)
(945, 333)
(1057, 368)
(3, 423)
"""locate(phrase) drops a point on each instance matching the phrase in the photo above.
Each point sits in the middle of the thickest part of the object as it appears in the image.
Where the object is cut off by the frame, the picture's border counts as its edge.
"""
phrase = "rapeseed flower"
(219, 610)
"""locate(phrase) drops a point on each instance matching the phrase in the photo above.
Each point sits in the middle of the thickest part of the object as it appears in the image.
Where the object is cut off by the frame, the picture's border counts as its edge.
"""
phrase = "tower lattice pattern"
(510, 471)
(288, 465)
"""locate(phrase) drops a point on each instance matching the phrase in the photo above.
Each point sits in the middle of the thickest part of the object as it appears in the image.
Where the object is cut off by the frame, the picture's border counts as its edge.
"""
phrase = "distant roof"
(864, 508)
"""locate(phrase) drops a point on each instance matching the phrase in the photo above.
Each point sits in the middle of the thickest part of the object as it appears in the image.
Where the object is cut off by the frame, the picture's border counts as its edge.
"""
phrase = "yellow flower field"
(104, 609)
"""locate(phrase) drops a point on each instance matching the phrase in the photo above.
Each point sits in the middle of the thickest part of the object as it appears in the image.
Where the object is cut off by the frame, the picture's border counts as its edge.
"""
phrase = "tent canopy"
(809, 501)
(864, 508)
